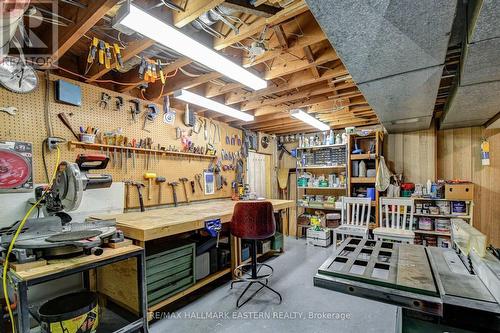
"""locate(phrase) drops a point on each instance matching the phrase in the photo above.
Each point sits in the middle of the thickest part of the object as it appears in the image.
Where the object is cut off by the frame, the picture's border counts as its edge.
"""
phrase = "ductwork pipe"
(11, 14)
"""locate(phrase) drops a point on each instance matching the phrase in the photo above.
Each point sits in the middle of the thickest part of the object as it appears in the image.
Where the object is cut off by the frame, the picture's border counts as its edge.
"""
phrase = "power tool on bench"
(55, 234)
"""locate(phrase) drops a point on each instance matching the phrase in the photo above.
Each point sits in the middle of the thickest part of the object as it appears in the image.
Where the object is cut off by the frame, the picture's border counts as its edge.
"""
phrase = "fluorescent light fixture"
(207, 103)
(308, 119)
(133, 18)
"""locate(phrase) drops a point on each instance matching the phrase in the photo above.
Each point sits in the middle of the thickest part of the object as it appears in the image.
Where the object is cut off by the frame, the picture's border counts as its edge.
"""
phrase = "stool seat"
(253, 220)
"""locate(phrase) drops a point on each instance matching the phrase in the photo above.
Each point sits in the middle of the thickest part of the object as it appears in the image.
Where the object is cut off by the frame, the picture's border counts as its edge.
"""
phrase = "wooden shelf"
(363, 180)
(443, 216)
(436, 199)
(196, 286)
(432, 232)
(320, 208)
(322, 167)
(340, 145)
(321, 188)
(355, 157)
(73, 144)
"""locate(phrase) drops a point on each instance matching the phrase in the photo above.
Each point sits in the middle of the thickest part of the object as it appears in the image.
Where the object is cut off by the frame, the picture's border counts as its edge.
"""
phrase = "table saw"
(440, 284)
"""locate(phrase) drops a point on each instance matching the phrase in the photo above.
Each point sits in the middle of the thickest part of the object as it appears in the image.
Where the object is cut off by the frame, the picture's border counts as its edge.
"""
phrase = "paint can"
(71, 313)
(425, 223)
(443, 225)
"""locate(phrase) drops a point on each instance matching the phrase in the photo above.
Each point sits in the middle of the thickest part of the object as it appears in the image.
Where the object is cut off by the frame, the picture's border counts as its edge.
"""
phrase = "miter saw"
(56, 234)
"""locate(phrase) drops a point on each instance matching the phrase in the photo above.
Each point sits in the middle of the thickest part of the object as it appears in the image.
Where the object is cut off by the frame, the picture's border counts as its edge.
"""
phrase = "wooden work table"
(163, 222)
(153, 224)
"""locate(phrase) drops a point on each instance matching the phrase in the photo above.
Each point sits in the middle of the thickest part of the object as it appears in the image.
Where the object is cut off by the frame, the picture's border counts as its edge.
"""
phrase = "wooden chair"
(396, 220)
(354, 219)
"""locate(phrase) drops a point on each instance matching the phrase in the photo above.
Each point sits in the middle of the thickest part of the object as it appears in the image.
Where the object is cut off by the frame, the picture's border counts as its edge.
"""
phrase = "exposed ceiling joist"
(133, 49)
(214, 90)
(244, 6)
(256, 25)
(156, 89)
(318, 89)
(296, 80)
(71, 34)
(133, 75)
(193, 9)
(311, 34)
(327, 54)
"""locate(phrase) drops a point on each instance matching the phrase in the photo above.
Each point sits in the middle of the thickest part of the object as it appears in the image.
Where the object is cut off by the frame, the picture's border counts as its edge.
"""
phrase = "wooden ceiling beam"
(289, 67)
(213, 89)
(193, 9)
(312, 34)
(86, 19)
(133, 75)
(244, 6)
(256, 25)
(318, 89)
(301, 127)
(133, 49)
(310, 58)
(154, 90)
(296, 80)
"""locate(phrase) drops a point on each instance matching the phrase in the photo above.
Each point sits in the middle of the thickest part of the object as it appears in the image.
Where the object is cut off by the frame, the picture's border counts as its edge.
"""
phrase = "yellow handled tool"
(149, 176)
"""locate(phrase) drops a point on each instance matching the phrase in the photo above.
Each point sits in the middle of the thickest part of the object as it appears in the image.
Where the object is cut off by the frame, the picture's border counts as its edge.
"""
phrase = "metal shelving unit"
(332, 164)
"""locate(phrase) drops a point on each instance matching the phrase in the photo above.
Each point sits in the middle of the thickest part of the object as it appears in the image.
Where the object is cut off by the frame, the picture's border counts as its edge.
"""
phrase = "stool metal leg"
(255, 278)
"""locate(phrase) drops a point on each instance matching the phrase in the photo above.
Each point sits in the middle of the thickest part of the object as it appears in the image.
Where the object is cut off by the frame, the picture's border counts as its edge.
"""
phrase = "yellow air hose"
(11, 245)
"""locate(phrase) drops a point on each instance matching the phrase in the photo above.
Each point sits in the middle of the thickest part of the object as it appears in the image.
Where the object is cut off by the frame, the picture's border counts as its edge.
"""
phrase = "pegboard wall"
(29, 125)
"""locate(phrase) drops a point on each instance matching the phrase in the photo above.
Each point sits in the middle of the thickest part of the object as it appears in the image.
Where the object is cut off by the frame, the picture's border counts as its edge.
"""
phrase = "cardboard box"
(463, 191)
(319, 237)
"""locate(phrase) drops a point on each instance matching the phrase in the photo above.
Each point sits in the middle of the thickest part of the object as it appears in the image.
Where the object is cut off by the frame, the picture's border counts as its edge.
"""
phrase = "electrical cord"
(16, 235)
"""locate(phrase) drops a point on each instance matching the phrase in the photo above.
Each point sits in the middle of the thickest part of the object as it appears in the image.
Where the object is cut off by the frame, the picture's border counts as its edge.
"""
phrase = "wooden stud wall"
(29, 125)
(459, 157)
(453, 154)
(413, 154)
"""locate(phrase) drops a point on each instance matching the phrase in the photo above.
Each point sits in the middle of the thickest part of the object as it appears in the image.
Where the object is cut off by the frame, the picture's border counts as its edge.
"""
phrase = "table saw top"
(411, 276)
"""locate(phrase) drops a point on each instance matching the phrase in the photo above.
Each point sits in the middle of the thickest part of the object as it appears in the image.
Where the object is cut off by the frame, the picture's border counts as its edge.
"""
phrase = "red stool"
(253, 220)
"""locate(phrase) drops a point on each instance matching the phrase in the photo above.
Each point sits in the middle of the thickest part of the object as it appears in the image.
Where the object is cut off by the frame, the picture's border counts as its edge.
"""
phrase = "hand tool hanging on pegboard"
(150, 116)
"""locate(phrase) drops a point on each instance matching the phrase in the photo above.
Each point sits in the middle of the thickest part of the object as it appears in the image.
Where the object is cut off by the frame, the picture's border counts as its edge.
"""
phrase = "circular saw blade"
(68, 185)
(16, 76)
(14, 169)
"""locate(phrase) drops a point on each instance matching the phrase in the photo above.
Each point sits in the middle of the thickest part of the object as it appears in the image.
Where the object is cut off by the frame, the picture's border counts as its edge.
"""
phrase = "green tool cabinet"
(169, 272)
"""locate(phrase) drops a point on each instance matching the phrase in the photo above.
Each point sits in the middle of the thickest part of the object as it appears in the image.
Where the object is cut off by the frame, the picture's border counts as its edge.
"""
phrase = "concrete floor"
(293, 278)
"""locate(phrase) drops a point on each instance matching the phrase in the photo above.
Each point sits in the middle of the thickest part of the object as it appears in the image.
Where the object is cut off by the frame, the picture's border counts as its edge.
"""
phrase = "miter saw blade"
(16, 76)
(15, 170)
(68, 185)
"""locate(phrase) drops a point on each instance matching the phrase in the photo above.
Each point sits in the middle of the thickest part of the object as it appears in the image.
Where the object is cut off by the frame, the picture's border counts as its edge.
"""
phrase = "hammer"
(149, 176)
(174, 184)
(184, 180)
(139, 185)
(159, 181)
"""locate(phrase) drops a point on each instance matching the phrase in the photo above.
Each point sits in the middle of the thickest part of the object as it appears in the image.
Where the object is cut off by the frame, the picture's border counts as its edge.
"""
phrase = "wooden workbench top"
(59, 265)
(158, 223)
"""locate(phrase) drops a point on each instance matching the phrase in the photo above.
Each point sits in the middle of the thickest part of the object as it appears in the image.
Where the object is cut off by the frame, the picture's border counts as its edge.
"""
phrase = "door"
(257, 174)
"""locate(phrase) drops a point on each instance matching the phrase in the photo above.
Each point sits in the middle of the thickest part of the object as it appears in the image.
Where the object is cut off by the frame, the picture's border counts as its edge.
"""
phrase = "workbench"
(422, 281)
(90, 266)
(155, 224)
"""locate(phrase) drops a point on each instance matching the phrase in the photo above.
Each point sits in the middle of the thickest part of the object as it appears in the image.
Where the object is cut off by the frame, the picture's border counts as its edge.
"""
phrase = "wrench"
(9, 109)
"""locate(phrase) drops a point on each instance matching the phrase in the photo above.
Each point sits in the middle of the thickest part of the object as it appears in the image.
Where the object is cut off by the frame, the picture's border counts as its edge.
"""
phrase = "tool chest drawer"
(169, 271)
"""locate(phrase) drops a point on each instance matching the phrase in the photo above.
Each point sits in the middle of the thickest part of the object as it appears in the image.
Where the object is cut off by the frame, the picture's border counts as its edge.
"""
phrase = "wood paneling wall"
(452, 154)
(459, 157)
(413, 154)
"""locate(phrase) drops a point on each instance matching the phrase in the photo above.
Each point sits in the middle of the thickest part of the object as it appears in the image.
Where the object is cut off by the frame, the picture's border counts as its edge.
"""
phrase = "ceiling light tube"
(308, 119)
(210, 104)
(133, 18)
